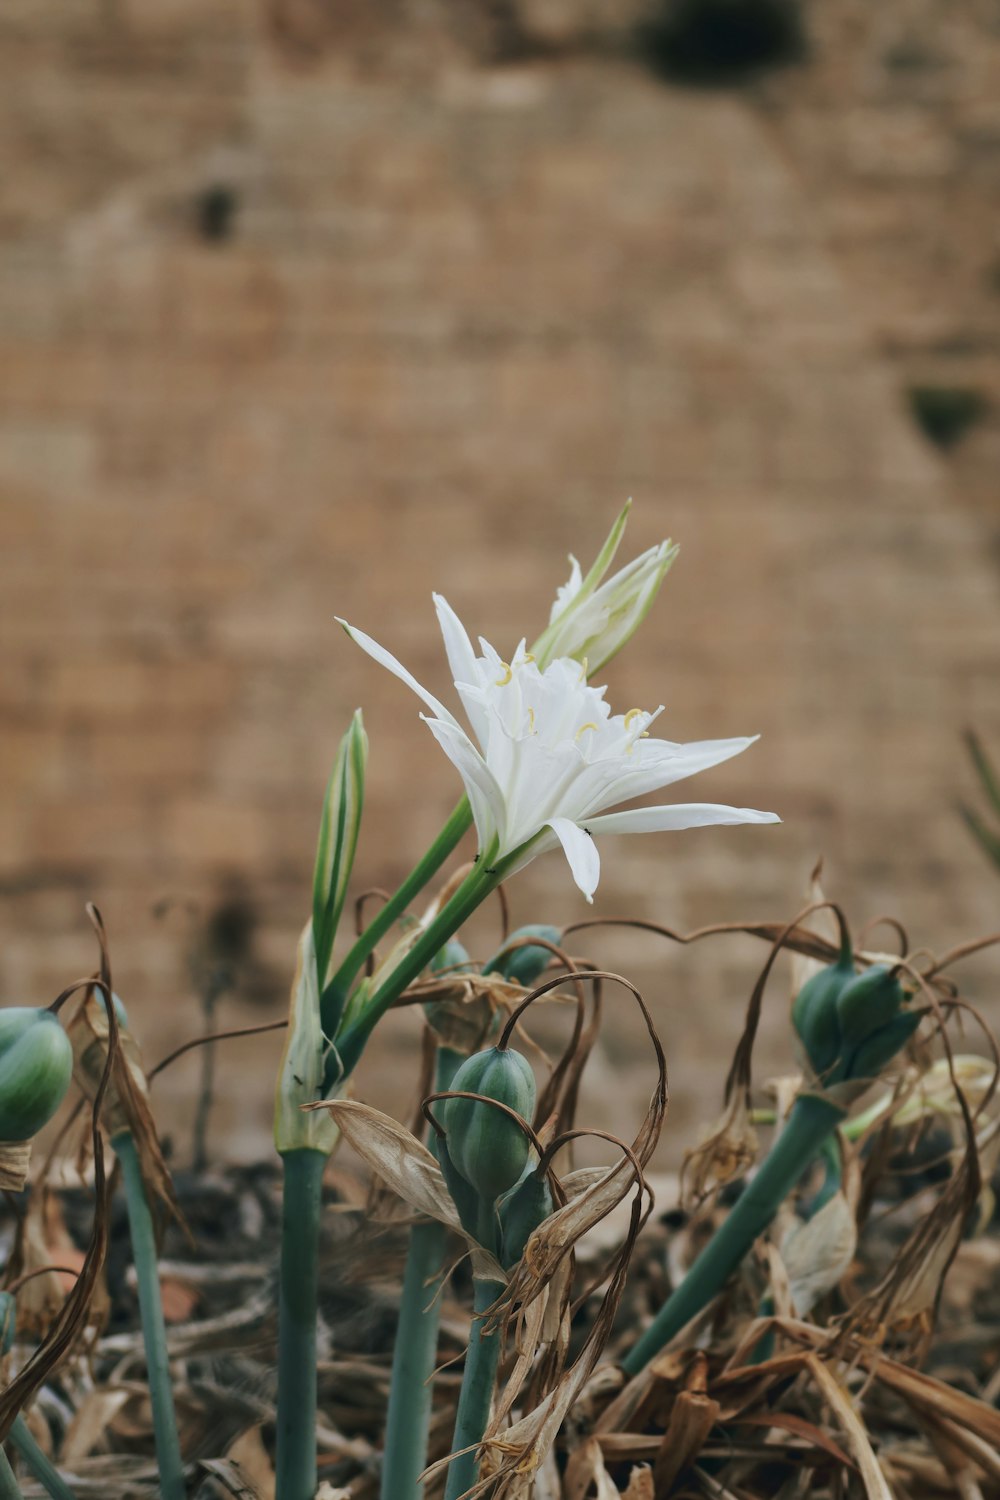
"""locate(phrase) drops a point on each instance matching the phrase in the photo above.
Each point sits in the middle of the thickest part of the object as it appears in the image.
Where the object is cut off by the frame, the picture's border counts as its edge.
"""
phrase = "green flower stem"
(168, 1451)
(415, 1352)
(9, 1487)
(425, 870)
(37, 1462)
(470, 894)
(299, 1278)
(476, 1396)
(810, 1123)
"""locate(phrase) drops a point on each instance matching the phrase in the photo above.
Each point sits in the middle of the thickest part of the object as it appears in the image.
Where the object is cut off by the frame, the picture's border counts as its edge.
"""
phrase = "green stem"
(9, 1487)
(415, 1352)
(297, 1306)
(154, 1333)
(476, 1397)
(414, 883)
(37, 1462)
(809, 1124)
(470, 894)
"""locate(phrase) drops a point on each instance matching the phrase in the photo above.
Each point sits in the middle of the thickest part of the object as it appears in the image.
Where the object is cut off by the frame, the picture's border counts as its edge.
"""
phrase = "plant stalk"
(470, 894)
(154, 1333)
(422, 872)
(9, 1487)
(297, 1310)
(37, 1462)
(476, 1396)
(415, 1351)
(810, 1123)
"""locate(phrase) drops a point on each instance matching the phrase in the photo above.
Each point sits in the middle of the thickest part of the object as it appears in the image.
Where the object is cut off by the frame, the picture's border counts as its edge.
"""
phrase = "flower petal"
(386, 659)
(462, 662)
(581, 852)
(679, 815)
(485, 796)
(654, 764)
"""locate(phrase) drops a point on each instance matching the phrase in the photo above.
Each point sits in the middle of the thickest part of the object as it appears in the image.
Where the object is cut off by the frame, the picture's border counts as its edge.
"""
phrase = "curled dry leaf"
(725, 1154)
(15, 1157)
(126, 1106)
(804, 965)
(406, 1166)
(462, 1009)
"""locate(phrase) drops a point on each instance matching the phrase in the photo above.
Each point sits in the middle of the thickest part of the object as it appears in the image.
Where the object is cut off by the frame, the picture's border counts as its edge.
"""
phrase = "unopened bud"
(486, 1145)
(36, 1065)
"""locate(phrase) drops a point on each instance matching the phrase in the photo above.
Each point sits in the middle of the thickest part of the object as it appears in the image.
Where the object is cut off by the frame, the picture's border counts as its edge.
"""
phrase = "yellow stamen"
(583, 727)
(632, 715)
(507, 675)
(526, 658)
(584, 669)
(531, 720)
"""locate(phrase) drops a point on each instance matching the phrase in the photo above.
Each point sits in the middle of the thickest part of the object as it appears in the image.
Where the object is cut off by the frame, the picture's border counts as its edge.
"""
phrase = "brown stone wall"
(305, 313)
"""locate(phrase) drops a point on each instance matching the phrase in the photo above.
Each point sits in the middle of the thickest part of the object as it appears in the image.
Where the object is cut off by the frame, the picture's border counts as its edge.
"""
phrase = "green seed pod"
(524, 965)
(453, 958)
(868, 1003)
(814, 1014)
(879, 1049)
(36, 1065)
(487, 1147)
(8, 1321)
(521, 1212)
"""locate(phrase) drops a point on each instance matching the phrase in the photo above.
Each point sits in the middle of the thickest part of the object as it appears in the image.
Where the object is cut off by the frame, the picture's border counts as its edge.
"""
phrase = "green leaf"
(988, 840)
(338, 840)
(984, 768)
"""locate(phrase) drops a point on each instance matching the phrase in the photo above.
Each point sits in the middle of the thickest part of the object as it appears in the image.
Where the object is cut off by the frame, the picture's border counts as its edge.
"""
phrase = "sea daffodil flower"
(590, 620)
(549, 756)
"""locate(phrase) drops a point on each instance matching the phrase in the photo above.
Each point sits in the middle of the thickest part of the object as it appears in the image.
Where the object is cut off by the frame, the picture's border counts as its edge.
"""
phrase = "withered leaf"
(406, 1166)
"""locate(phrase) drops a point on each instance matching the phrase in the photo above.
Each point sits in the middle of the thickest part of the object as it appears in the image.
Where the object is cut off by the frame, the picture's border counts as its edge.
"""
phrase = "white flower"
(551, 756)
(590, 620)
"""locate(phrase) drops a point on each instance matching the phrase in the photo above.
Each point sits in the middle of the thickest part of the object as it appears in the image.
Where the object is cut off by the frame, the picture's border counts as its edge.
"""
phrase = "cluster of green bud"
(487, 1147)
(36, 1066)
(851, 1025)
(488, 1159)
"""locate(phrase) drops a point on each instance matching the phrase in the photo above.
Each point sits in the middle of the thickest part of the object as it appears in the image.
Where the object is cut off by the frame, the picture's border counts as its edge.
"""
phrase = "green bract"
(36, 1065)
(485, 1145)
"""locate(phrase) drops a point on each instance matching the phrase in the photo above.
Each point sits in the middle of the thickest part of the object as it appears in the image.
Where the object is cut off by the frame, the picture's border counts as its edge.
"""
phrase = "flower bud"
(453, 958)
(36, 1065)
(881, 1047)
(338, 840)
(868, 1003)
(591, 620)
(521, 1212)
(814, 1013)
(524, 965)
(485, 1145)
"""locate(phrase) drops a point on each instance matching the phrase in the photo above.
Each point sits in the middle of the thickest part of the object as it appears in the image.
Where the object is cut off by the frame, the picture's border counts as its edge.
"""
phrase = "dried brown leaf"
(15, 1157)
(91, 1421)
(404, 1164)
(872, 1477)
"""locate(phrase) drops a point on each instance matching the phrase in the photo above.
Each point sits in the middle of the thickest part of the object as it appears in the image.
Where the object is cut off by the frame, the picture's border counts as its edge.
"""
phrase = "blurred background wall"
(311, 307)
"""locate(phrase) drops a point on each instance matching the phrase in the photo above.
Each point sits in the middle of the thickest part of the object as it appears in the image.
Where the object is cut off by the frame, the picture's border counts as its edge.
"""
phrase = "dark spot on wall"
(215, 211)
(945, 413)
(721, 43)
